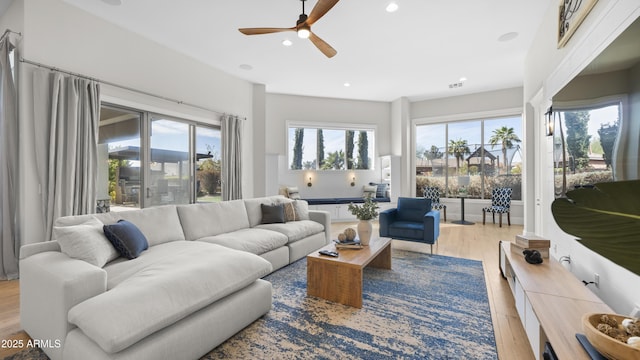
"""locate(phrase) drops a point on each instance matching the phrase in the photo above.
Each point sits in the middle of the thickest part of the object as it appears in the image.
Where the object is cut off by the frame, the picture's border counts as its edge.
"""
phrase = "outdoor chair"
(433, 194)
(500, 203)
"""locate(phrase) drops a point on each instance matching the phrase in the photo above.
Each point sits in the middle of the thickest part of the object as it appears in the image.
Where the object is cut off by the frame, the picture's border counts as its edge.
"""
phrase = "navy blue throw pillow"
(126, 238)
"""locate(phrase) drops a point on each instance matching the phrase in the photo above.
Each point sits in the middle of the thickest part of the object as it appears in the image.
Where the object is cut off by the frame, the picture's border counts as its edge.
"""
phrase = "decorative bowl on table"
(606, 345)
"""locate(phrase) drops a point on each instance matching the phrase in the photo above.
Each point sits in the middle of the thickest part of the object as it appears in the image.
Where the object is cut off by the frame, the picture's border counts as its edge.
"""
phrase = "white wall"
(65, 37)
(282, 109)
(548, 69)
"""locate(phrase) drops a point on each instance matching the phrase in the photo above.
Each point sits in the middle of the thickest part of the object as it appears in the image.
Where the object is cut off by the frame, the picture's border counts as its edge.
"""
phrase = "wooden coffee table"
(339, 279)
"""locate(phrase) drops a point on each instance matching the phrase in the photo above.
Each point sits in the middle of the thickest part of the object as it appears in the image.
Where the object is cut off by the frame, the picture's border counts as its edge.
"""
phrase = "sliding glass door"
(169, 175)
(119, 153)
(151, 160)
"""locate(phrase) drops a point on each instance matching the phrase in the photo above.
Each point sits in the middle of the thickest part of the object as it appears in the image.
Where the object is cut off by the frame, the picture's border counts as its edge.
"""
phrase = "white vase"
(364, 231)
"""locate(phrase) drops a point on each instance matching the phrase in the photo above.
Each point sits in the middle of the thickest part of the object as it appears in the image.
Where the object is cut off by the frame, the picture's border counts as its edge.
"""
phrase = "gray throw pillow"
(85, 242)
(272, 213)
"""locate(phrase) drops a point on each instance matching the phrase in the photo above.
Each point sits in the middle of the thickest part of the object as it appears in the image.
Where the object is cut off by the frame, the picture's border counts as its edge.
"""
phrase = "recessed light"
(347, 84)
(287, 42)
(508, 36)
(392, 7)
(246, 67)
(113, 2)
(462, 79)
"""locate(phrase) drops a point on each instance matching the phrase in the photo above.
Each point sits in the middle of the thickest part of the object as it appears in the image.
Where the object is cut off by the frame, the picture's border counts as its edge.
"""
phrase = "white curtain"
(9, 167)
(67, 114)
(231, 157)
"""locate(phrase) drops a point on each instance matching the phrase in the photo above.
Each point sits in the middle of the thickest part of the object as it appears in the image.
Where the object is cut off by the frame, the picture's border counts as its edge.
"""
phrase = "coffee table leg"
(341, 284)
(383, 260)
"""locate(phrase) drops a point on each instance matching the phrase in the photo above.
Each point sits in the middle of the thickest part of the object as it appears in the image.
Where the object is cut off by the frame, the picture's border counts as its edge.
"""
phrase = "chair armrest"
(51, 283)
(385, 218)
(324, 218)
(431, 222)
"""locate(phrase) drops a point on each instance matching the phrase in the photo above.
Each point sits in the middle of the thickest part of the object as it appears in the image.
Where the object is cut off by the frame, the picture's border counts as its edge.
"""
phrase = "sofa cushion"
(295, 230)
(272, 213)
(406, 229)
(126, 238)
(159, 224)
(86, 242)
(254, 212)
(200, 220)
(164, 291)
(254, 240)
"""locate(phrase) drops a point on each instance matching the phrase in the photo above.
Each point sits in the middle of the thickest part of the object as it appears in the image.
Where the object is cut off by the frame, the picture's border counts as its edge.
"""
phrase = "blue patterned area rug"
(426, 307)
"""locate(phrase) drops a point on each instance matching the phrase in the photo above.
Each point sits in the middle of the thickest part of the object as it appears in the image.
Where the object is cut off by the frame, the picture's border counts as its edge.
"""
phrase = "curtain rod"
(121, 86)
(7, 32)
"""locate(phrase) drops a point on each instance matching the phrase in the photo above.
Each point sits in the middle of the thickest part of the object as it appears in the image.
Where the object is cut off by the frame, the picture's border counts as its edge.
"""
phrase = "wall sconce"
(353, 181)
(549, 121)
(309, 184)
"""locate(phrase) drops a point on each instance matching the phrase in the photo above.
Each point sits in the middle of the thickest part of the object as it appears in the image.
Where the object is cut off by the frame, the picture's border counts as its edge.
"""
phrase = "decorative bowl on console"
(606, 345)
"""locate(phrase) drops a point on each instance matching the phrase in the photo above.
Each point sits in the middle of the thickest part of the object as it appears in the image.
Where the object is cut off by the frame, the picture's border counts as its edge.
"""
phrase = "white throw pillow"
(86, 242)
(293, 192)
(369, 191)
(302, 209)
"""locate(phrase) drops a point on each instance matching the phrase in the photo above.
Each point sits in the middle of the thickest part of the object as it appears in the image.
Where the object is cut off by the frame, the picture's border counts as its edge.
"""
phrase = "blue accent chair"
(412, 220)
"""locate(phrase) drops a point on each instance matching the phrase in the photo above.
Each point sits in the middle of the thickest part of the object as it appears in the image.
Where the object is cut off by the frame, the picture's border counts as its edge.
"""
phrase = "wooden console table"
(551, 302)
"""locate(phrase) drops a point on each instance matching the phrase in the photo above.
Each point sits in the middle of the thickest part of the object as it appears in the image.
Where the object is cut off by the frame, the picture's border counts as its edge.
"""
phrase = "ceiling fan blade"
(321, 8)
(260, 31)
(322, 46)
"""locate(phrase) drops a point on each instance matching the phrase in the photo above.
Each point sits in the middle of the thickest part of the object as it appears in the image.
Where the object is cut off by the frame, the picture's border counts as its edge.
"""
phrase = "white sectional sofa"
(198, 283)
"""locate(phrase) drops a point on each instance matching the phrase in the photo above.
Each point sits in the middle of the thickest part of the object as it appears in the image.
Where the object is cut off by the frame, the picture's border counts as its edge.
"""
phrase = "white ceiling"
(415, 52)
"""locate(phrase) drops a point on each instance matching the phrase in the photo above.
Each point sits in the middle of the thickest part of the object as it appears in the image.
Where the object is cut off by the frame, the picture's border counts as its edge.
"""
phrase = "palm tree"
(504, 136)
(459, 148)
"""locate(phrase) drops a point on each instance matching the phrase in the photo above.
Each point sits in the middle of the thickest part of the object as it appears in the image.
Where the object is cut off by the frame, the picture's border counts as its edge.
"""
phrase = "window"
(330, 148)
(473, 156)
(175, 161)
(209, 164)
(589, 137)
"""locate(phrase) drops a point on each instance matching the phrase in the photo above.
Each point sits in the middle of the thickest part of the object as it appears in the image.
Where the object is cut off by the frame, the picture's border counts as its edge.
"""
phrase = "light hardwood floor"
(476, 242)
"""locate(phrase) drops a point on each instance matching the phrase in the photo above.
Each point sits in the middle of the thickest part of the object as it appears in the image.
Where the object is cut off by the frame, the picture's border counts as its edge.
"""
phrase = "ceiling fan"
(303, 26)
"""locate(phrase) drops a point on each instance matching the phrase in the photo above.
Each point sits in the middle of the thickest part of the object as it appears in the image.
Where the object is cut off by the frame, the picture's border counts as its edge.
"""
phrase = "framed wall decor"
(570, 16)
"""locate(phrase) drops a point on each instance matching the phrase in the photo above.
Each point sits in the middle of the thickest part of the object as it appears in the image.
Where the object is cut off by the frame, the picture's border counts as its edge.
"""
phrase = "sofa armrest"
(32, 249)
(324, 218)
(51, 283)
(431, 226)
(385, 218)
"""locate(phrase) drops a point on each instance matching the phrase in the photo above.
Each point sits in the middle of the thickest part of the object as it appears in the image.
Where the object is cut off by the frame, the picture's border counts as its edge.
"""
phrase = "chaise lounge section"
(198, 283)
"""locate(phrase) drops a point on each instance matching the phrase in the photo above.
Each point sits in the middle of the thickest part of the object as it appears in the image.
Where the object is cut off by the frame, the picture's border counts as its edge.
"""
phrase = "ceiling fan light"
(304, 32)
